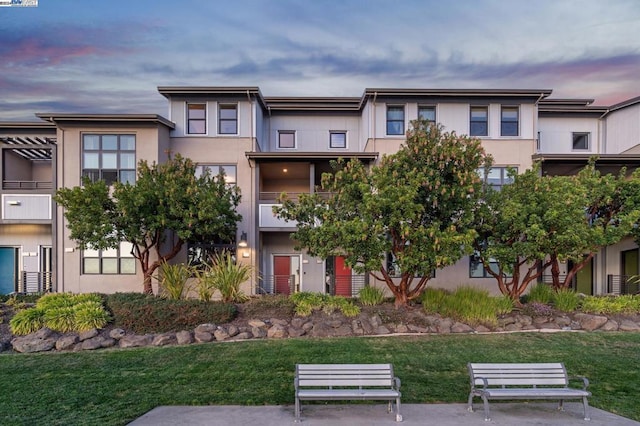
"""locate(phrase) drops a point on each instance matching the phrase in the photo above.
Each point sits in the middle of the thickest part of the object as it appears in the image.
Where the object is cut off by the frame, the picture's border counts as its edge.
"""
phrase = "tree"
(166, 207)
(609, 211)
(416, 204)
(516, 224)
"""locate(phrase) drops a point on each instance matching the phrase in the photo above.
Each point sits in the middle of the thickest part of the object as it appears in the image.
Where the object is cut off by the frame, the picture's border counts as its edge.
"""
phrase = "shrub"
(173, 279)
(566, 300)
(56, 300)
(27, 321)
(371, 296)
(306, 303)
(90, 315)
(467, 304)
(142, 313)
(228, 276)
(60, 318)
(278, 304)
(541, 293)
(624, 304)
(205, 285)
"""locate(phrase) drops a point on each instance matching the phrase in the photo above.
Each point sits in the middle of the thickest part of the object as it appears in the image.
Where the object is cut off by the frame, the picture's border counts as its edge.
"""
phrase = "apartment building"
(270, 145)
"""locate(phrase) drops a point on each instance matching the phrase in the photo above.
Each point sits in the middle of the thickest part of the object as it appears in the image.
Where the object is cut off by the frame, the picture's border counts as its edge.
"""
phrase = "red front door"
(282, 274)
(343, 277)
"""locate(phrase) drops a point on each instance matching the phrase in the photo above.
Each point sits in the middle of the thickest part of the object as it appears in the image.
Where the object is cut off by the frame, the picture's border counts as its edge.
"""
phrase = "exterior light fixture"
(243, 240)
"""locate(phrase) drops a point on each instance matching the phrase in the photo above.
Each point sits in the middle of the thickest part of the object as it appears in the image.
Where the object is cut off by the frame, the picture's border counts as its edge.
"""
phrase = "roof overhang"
(106, 118)
(207, 91)
(515, 93)
(30, 140)
(571, 164)
(293, 156)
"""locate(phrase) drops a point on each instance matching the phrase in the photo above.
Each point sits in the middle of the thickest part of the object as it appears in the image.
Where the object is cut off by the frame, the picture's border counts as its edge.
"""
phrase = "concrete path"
(316, 414)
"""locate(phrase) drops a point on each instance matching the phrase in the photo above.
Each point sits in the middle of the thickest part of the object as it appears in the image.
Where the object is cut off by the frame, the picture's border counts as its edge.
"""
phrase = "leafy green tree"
(416, 204)
(166, 207)
(515, 224)
(609, 211)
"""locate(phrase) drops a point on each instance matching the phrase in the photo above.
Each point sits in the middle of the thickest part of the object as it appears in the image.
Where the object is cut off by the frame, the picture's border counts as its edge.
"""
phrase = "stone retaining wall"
(317, 325)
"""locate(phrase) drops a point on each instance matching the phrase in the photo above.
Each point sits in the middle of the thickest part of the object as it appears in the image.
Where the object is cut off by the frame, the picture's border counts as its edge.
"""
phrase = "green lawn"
(114, 387)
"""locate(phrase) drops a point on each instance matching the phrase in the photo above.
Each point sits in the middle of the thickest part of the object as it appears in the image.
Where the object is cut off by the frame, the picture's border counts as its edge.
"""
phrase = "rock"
(524, 320)
(628, 325)
(66, 342)
(320, 330)
(202, 336)
(164, 339)
(117, 333)
(307, 326)
(278, 331)
(610, 325)
(244, 335)
(375, 321)
(221, 334)
(32, 343)
(503, 322)
(550, 326)
(367, 328)
(382, 330)
(298, 322)
(232, 330)
(256, 323)
(295, 332)
(206, 328)
(88, 334)
(276, 321)
(97, 342)
(459, 327)
(401, 328)
(356, 326)
(184, 337)
(513, 327)
(444, 325)
(590, 322)
(43, 333)
(482, 329)
(417, 329)
(342, 331)
(258, 332)
(540, 320)
(563, 321)
(135, 341)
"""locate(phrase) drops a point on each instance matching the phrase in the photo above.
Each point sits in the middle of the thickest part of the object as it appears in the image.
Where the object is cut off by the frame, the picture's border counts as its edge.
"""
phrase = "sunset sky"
(110, 56)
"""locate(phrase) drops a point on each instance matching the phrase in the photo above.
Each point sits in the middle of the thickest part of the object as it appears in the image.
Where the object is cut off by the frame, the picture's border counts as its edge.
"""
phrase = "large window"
(427, 113)
(228, 119)
(196, 119)
(509, 121)
(286, 139)
(479, 122)
(395, 120)
(496, 176)
(476, 268)
(111, 158)
(215, 169)
(200, 254)
(113, 261)
(337, 139)
(580, 141)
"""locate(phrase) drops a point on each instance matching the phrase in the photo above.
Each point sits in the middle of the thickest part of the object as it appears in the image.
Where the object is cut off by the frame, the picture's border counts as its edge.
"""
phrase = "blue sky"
(110, 56)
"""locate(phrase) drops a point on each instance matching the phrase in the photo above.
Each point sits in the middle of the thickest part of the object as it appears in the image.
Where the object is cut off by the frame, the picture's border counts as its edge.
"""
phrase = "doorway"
(8, 269)
(286, 274)
(338, 276)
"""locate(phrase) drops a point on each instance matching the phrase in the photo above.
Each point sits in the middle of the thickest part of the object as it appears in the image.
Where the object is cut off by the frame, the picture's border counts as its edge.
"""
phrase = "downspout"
(373, 104)
(252, 231)
(536, 133)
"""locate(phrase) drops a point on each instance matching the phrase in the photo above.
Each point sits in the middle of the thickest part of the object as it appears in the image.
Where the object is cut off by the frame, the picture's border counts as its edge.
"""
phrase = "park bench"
(524, 381)
(346, 382)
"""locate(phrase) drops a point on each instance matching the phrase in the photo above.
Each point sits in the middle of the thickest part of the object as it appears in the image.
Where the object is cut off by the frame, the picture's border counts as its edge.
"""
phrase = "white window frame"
(295, 138)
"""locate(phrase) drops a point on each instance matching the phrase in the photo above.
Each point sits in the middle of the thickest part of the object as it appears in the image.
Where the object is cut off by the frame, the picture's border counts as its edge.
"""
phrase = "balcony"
(26, 184)
(267, 218)
(623, 284)
(26, 207)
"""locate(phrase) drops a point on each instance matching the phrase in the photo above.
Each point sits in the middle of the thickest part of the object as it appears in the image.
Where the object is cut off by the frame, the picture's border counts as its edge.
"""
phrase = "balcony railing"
(273, 196)
(622, 284)
(26, 184)
(278, 284)
(547, 279)
(34, 282)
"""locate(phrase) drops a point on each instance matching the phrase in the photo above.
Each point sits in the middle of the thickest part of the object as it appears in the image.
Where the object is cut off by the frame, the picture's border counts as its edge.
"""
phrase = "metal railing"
(34, 282)
(26, 184)
(547, 279)
(272, 196)
(622, 284)
(342, 285)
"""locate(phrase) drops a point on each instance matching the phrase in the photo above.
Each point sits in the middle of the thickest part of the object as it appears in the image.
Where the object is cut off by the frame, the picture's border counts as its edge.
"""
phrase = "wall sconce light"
(13, 203)
(243, 240)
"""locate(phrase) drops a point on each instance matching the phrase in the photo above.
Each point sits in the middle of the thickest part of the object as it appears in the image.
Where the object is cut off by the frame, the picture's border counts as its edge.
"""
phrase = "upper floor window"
(427, 113)
(230, 174)
(580, 141)
(111, 261)
(286, 139)
(395, 120)
(196, 119)
(497, 177)
(228, 119)
(337, 139)
(111, 158)
(509, 121)
(479, 123)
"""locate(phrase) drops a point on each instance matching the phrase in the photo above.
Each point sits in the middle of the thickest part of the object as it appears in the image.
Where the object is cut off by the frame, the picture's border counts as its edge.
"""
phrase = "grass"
(113, 387)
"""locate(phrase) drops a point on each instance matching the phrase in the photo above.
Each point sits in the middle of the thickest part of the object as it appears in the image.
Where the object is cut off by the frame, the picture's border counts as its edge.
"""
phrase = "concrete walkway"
(316, 414)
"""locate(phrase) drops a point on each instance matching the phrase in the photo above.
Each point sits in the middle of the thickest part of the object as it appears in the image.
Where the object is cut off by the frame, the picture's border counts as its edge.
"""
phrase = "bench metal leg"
(297, 410)
(398, 415)
(561, 405)
(470, 403)
(585, 403)
(485, 402)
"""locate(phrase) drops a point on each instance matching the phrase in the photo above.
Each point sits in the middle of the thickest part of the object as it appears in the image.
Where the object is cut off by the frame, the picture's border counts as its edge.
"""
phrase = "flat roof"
(110, 118)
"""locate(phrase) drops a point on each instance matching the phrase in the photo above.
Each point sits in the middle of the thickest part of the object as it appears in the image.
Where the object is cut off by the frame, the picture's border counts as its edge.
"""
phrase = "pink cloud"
(33, 51)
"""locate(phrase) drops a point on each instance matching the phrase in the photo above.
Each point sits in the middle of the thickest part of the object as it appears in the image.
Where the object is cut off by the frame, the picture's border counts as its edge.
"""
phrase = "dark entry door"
(8, 269)
(282, 274)
(343, 277)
